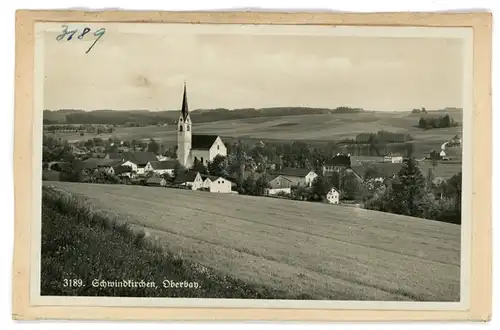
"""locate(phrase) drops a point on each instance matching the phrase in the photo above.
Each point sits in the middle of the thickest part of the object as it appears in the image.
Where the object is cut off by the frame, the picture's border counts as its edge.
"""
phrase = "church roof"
(202, 141)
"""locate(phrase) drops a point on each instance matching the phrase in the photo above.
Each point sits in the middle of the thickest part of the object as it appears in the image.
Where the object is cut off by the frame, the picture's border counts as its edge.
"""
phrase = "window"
(202, 160)
(180, 128)
(188, 126)
(195, 159)
(217, 147)
(218, 181)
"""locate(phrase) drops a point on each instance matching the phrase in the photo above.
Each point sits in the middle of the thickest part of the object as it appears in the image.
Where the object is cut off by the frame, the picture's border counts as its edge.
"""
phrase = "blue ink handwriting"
(68, 35)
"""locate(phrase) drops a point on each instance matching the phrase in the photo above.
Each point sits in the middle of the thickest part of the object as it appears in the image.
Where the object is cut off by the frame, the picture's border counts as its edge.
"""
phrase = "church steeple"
(184, 133)
(184, 110)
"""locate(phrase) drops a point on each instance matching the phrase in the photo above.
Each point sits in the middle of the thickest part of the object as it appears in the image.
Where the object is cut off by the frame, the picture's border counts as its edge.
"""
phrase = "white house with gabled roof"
(333, 196)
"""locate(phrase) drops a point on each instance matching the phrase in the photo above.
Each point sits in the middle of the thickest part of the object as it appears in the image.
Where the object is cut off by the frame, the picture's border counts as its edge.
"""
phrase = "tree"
(249, 185)
(351, 187)
(320, 187)
(199, 167)
(153, 146)
(261, 184)
(455, 191)
(239, 160)
(219, 166)
(422, 123)
(372, 172)
(179, 170)
(412, 189)
(430, 177)
(445, 121)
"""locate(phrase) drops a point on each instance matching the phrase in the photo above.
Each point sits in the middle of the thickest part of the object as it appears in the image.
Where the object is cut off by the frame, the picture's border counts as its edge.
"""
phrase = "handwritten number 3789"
(69, 34)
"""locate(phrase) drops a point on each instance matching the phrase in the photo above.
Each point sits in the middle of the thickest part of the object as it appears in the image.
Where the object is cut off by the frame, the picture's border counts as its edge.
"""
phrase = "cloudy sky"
(131, 71)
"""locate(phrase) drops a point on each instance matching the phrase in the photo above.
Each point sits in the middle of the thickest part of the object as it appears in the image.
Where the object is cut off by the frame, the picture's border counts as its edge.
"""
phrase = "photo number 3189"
(86, 32)
(72, 283)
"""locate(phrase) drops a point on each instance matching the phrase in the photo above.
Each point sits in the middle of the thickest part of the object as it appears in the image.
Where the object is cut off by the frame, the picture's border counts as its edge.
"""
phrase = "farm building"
(161, 167)
(191, 180)
(192, 147)
(156, 182)
(333, 196)
(278, 184)
(298, 176)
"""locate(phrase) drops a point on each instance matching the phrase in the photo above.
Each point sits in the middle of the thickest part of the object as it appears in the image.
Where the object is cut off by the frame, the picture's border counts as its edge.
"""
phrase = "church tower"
(184, 133)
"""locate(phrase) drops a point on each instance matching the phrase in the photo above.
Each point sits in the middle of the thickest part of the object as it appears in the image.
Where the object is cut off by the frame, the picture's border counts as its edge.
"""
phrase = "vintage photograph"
(253, 162)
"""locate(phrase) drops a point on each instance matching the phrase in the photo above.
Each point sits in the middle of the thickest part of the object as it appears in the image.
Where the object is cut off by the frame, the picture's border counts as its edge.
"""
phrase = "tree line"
(429, 122)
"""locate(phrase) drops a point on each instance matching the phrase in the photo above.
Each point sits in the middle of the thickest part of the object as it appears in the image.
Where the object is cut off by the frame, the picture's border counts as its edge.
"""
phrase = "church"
(194, 147)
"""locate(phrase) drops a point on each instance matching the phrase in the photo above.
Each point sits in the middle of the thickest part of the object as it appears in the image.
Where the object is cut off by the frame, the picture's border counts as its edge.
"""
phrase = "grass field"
(325, 251)
(325, 127)
(83, 245)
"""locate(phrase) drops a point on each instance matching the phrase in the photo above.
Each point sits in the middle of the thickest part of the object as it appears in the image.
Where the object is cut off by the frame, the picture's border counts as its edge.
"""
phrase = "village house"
(336, 163)
(333, 196)
(79, 151)
(381, 172)
(358, 160)
(162, 158)
(216, 184)
(193, 148)
(395, 159)
(298, 176)
(124, 172)
(138, 160)
(94, 165)
(156, 182)
(114, 155)
(443, 155)
(161, 167)
(190, 180)
(278, 184)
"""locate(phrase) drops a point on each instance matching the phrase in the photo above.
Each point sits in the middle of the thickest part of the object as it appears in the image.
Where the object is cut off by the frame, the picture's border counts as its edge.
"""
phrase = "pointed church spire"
(184, 110)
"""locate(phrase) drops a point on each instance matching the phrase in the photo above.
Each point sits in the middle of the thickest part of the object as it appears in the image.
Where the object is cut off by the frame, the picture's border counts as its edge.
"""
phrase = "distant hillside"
(145, 117)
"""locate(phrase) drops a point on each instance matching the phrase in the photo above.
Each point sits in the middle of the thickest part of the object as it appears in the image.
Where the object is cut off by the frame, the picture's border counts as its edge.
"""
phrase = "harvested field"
(324, 251)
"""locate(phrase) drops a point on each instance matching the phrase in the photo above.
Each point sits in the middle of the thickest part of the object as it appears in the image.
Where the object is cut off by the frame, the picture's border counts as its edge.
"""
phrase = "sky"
(133, 71)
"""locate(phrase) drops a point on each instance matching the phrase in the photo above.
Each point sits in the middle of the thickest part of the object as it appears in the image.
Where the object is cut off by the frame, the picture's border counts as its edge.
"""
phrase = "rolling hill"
(310, 128)
(325, 251)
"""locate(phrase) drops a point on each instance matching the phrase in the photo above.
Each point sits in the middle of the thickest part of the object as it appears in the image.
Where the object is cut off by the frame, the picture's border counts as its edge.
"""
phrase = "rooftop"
(140, 158)
(290, 171)
(203, 141)
(164, 164)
